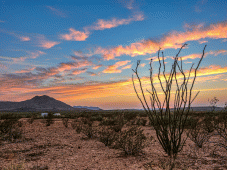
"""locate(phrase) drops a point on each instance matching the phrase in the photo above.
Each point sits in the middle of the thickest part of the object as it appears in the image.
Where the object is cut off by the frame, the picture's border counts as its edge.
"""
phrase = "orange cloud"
(142, 65)
(172, 40)
(97, 67)
(46, 43)
(101, 24)
(215, 53)
(76, 72)
(16, 88)
(192, 56)
(127, 67)
(114, 68)
(75, 35)
(22, 38)
(107, 24)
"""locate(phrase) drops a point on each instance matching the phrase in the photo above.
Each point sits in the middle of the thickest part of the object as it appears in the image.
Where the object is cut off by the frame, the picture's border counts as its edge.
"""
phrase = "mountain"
(37, 103)
(86, 107)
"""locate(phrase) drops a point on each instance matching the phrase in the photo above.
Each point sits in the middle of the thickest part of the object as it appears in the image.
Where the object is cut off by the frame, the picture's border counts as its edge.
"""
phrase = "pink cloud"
(172, 40)
(75, 35)
(46, 43)
(107, 24)
(115, 68)
(24, 38)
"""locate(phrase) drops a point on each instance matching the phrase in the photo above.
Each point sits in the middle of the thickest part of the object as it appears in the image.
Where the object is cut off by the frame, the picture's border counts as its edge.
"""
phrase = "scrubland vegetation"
(117, 130)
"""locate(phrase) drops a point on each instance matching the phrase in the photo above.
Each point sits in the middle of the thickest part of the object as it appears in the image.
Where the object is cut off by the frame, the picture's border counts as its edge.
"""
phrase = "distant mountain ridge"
(87, 107)
(37, 103)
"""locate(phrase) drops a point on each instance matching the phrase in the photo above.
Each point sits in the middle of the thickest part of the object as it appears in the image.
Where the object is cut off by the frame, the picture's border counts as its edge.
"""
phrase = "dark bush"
(49, 119)
(208, 124)
(65, 122)
(106, 136)
(96, 118)
(131, 141)
(141, 122)
(198, 135)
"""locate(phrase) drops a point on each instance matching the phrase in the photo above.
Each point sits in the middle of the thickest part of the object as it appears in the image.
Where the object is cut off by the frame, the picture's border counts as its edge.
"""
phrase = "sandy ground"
(57, 147)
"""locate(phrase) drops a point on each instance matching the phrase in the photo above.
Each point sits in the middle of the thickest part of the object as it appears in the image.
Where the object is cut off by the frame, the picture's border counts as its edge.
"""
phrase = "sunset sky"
(83, 52)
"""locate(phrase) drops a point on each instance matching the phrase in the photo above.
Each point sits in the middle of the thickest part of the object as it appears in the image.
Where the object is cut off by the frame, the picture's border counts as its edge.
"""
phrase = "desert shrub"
(221, 127)
(9, 129)
(106, 136)
(31, 120)
(10, 116)
(19, 123)
(65, 122)
(74, 123)
(141, 122)
(78, 127)
(198, 135)
(107, 122)
(208, 124)
(88, 131)
(96, 118)
(169, 125)
(49, 119)
(131, 141)
(87, 121)
(129, 115)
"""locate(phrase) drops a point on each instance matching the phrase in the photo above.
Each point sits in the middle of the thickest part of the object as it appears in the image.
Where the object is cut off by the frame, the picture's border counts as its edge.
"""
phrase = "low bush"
(208, 124)
(74, 124)
(49, 119)
(9, 130)
(31, 120)
(141, 122)
(106, 136)
(131, 141)
(198, 135)
(88, 131)
(96, 118)
(65, 122)
(221, 127)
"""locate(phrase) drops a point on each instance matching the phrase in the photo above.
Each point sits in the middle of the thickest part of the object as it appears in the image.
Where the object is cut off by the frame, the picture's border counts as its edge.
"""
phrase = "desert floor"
(57, 147)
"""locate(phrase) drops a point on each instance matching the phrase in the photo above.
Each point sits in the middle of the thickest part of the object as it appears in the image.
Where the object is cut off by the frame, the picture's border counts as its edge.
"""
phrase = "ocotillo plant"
(169, 126)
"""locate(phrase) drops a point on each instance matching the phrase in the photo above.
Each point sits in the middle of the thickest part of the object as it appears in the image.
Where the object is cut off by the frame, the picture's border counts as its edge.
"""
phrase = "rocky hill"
(37, 103)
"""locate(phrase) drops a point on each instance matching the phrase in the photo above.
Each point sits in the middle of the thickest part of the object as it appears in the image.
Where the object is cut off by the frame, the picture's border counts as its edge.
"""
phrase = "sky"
(83, 52)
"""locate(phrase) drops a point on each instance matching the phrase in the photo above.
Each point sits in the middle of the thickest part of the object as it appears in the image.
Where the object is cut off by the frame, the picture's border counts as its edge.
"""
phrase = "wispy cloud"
(79, 71)
(43, 42)
(21, 37)
(2, 21)
(97, 67)
(114, 22)
(101, 24)
(24, 38)
(35, 54)
(217, 52)
(115, 68)
(172, 40)
(56, 11)
(199, 5)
